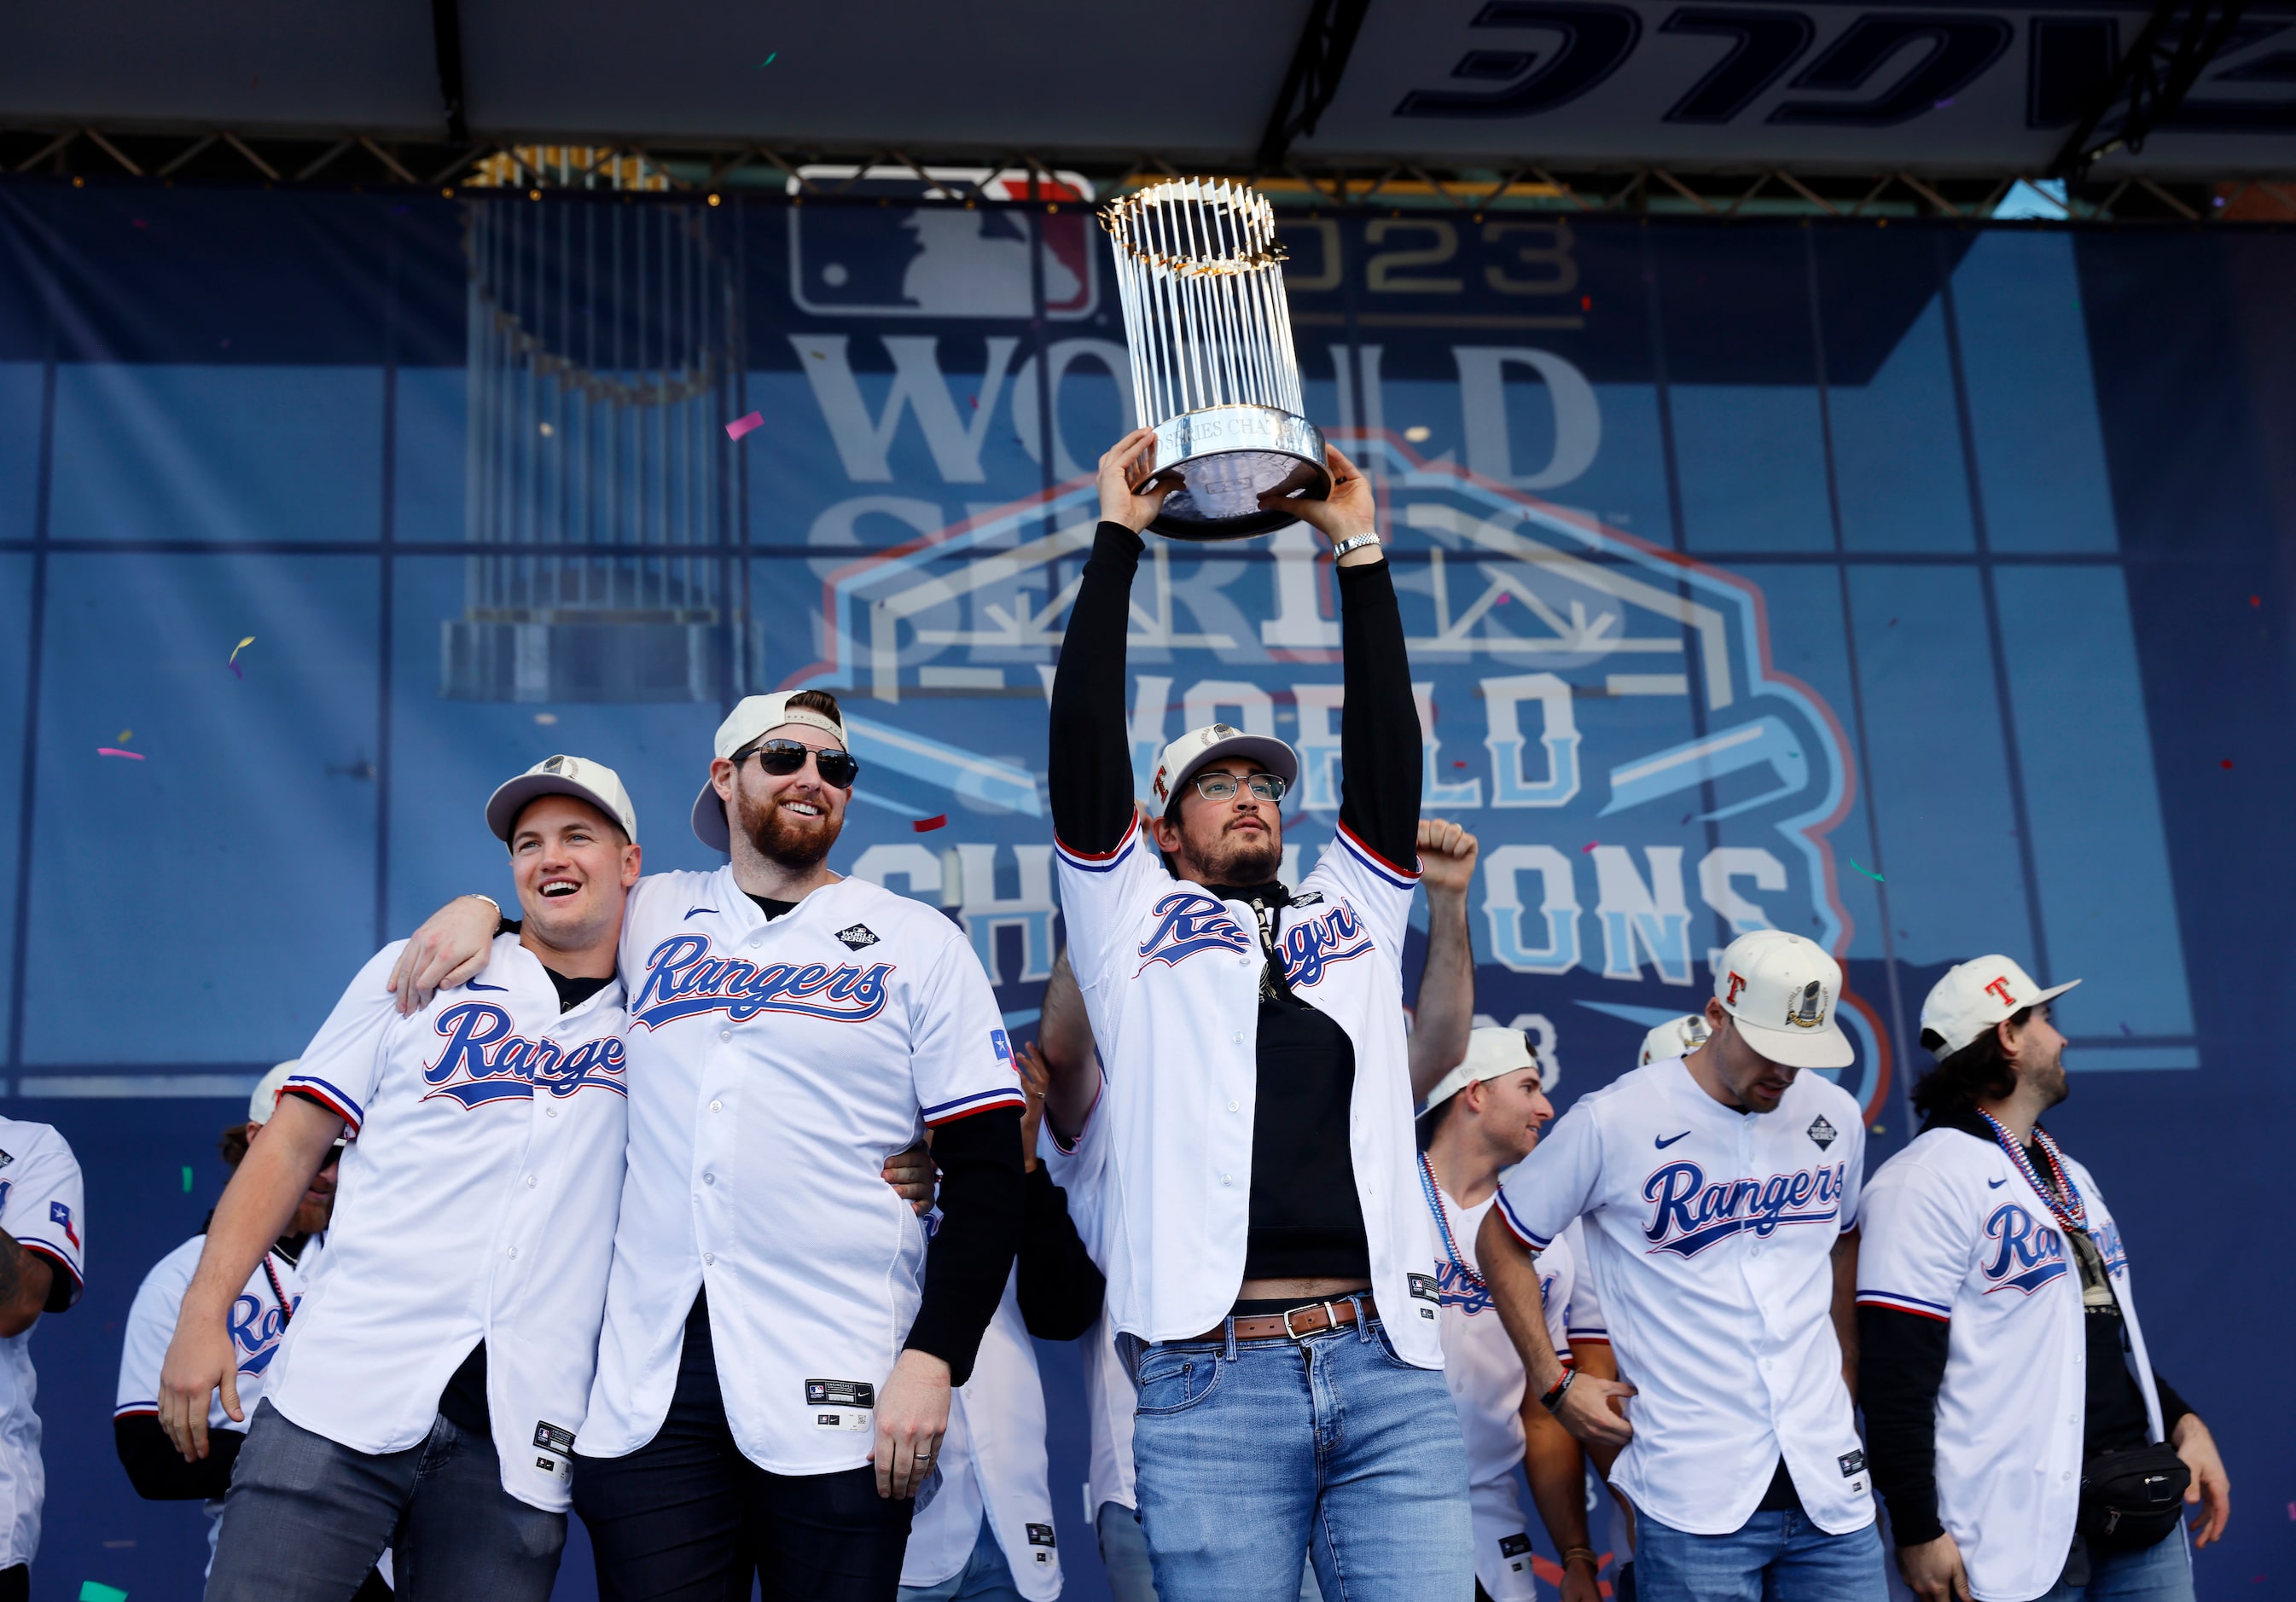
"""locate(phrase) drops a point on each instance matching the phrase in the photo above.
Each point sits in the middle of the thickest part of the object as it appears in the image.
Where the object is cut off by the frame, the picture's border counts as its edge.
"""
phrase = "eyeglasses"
(1222, 787)
(783, 757)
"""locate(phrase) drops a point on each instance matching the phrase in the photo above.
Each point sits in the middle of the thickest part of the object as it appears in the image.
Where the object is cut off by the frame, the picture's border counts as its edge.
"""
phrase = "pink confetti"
(743, 425)
(927, 825)
(1589, 846)
(116, 751)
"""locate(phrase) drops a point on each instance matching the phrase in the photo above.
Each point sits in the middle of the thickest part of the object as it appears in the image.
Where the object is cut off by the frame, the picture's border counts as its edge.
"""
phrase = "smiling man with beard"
(780, 1342)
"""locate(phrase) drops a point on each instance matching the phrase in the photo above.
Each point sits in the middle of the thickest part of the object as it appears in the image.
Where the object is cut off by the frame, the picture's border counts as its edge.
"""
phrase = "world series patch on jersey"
(1953, 1230)
(476, 1201)
(1170, 978)
(1709, 1236)
(774, 1065)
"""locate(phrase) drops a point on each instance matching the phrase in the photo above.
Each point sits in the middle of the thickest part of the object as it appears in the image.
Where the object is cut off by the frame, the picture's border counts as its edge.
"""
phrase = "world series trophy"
(1213, 371)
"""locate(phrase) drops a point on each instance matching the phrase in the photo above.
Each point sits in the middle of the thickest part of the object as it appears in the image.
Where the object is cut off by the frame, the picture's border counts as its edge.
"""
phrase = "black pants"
(16, 1584)
(687, 1518)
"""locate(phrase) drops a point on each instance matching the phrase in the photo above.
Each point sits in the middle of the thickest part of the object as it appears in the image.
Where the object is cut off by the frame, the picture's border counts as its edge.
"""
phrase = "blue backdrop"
(1922, 589)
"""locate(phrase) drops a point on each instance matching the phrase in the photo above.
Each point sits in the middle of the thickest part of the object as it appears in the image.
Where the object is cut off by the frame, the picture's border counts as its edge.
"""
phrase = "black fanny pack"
(2132, 1498)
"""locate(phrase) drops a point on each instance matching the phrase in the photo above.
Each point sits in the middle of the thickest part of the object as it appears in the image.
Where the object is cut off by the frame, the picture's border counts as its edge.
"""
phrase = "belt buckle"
(1330, 1319)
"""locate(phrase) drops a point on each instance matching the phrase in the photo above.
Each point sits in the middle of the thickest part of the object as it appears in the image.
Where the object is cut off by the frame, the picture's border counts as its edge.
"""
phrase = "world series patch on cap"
(1197, 747)
(575, 776)
(1780, 990)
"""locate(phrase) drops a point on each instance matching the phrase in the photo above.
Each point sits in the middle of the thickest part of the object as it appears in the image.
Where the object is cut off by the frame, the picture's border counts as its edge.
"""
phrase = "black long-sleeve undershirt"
(1089, 772)
(983, 1208)
(1061, 1290)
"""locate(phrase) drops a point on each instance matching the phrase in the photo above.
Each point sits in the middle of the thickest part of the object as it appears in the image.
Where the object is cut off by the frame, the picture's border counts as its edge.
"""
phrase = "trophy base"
(1220, 461)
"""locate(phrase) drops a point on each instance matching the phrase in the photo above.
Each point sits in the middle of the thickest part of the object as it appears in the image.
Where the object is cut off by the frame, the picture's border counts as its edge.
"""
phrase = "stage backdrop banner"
(1916, 589)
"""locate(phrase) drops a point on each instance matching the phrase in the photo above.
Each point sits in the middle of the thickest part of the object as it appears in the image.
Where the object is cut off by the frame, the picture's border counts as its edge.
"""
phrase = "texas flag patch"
(58, 1213)
(1003, 1048)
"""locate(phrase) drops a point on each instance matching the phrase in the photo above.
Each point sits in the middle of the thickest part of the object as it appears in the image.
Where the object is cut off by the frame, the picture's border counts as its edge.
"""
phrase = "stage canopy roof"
(2207, 87)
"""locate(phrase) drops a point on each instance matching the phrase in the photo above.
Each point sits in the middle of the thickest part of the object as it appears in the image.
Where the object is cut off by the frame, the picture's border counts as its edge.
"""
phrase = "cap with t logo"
(1197, 747)
(1977, 994)
(1780, 990)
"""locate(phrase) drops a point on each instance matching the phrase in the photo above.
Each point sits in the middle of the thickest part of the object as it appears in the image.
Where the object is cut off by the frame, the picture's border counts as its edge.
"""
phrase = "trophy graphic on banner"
(1213, 371)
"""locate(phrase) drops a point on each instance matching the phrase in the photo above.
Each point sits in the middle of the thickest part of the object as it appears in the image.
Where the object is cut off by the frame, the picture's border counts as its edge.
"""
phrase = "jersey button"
(1232, 1105)
(513, 1251)
(1225, 1179)
(529, 1182)
(709, 1178)
(709, 1257)
(1237, 1037)
(550, 1112)
(725, 1035)
(717, 1107)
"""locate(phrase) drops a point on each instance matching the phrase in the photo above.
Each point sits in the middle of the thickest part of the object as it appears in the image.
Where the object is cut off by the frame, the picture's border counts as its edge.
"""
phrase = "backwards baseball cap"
(1197, 747)
(752, 717)
(265, 1101)
(1676, 1037)
(1491, 1052)
(1780, 989)
(1977, 994)
(575, 776)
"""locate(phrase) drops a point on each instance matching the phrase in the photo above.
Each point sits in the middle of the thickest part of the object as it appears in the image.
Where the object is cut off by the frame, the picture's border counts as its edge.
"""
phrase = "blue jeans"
(2160, 1572)
(1124, 1554)
(1771, 1557)
(1253, 1454)
(986, 1577)
(307, 1517)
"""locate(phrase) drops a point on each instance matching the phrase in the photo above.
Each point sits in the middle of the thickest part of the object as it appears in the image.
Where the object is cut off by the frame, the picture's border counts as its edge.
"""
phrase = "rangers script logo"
(1313, 944)
(1688, 1214)
(485, 1060)
(1187, 924)
(684, 980)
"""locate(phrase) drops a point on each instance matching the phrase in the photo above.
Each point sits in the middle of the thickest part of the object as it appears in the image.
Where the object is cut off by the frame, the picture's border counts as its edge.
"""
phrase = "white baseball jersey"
(1109, 1397)
(258, 1321)
(40, 1206)
(1710, 1234)
(1484, 1374)
(993, 1465)
(476, 1201)
(1952, 1229)
(1170, 977)
(774, 1066)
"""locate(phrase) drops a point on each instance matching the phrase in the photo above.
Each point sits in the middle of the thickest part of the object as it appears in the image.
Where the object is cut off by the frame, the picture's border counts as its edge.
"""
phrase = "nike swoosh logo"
(690, 912)
(474, 985)
(1995, 1184)
(1670, 1140)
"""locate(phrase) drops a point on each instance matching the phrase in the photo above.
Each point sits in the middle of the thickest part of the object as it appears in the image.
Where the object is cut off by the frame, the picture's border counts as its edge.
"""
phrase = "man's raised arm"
(1089, 773)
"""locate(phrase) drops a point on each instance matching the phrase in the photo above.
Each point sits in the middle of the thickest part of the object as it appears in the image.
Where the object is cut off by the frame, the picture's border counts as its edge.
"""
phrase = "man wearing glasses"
(1269, 1268)
(780, 1342)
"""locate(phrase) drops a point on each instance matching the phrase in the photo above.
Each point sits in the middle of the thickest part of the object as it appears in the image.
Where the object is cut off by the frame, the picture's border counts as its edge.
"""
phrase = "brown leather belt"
(1298, 1322)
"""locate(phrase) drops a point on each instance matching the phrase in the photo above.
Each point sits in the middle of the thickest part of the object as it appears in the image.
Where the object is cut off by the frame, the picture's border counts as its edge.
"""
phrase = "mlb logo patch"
(58, 1213)
(1002, 1047)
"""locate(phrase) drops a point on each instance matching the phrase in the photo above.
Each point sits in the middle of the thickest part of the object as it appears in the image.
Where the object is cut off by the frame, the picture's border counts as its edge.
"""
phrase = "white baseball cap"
(754, 716)
(1977, 994)
(1676, 1037)
(1198, 747)
(1781, 990)
(575, 776)
(265, 1101)
(1491, 1052)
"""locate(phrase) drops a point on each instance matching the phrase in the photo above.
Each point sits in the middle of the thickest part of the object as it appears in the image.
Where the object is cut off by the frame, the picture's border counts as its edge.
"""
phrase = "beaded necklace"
(2063, 1197)
(1443, 1221)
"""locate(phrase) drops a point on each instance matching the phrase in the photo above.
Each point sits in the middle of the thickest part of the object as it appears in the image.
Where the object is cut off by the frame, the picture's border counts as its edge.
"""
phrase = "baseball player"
(1719, 1194)
(41, 1228)
(1483, 1117)
(2024, 1445)
(429, 1387)
(1270, 1260)
(780, 1344)
(1676, 1037)
(258, 1318)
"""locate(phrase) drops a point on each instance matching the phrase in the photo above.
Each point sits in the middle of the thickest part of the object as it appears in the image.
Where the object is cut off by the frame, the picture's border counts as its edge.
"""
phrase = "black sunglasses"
(783, 757)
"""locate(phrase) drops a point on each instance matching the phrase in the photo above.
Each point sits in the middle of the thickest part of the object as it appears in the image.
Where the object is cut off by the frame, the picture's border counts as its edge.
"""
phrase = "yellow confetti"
(126, 735)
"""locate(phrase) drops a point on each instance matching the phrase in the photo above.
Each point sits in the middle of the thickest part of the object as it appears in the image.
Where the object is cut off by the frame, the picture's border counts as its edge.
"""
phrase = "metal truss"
(1317, 65)
(352, 160)
(2148, 83)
